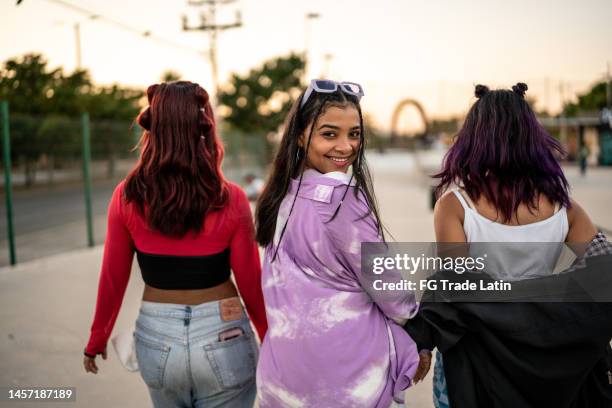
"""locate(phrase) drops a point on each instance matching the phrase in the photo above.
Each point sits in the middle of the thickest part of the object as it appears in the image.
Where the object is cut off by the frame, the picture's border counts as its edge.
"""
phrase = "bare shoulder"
(576, 214)
(581, 228)
(448, 207)
(448, 219)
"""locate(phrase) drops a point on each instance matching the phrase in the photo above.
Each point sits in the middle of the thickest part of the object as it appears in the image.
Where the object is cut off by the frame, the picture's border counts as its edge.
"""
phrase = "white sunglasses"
(329, 86)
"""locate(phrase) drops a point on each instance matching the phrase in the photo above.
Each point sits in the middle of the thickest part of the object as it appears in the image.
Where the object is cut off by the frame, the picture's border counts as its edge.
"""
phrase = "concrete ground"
(46, 305)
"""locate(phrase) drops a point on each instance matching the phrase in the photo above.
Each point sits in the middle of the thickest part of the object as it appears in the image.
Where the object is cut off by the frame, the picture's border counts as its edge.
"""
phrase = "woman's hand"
(424, 365)
(90, 363)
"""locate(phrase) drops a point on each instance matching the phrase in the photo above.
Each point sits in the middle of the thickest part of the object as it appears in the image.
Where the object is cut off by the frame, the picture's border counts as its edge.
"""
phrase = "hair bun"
(480, 90)
(201, 94)
(520, 88)
(151, 91)
(144, 119)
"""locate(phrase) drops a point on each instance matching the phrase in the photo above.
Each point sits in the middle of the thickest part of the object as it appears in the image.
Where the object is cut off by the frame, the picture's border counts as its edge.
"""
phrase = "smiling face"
(335, 139)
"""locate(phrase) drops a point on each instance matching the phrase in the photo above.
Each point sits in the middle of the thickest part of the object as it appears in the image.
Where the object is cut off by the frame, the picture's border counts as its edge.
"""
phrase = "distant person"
(329, 344)
(583, 158)
(253, 186)
(190, 228)
(501, 182)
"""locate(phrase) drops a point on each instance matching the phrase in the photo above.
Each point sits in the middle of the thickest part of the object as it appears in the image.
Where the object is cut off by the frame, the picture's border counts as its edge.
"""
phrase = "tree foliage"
(170, 76)
(32, 88)
(259, 101)
(45, 108)
(594, 100)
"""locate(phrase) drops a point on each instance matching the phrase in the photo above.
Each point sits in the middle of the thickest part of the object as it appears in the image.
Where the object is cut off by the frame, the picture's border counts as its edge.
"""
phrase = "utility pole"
(608, 88)
(208, 23)
(77, 41)
(77, 37)
(563, 120)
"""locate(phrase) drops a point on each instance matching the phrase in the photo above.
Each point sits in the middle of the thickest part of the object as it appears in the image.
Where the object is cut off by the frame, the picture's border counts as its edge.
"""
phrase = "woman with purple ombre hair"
(501, 182)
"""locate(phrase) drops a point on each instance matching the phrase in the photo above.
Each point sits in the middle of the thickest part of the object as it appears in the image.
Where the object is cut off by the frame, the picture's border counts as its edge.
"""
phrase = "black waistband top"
(184, 272)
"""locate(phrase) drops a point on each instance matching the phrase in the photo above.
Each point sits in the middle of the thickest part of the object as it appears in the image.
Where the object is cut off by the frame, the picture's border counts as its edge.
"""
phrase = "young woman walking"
(189, 228)
(501, 182)
(329, 344)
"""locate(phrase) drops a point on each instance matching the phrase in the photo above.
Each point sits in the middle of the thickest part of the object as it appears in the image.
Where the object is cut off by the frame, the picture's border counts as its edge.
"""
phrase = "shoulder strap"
(461, 199)
(465, 199)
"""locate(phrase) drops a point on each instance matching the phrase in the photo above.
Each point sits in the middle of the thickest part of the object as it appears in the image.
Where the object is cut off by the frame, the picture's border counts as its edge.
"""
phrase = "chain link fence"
(49, 200)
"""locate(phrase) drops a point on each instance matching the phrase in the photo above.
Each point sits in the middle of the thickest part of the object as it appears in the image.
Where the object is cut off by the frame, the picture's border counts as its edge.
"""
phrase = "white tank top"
(520, 261)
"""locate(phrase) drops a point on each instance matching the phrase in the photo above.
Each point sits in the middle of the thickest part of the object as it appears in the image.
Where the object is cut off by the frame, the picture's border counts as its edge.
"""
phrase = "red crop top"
(230, 227)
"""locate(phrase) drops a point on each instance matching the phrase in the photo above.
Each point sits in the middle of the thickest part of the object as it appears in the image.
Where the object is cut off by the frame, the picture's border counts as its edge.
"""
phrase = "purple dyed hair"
(504, 153)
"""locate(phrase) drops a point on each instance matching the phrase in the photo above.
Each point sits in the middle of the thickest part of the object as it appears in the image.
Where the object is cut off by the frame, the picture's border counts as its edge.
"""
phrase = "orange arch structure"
(398, 110)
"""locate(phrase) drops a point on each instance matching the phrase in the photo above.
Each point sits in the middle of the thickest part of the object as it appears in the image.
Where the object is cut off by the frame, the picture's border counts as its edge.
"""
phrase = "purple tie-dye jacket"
(329, 344)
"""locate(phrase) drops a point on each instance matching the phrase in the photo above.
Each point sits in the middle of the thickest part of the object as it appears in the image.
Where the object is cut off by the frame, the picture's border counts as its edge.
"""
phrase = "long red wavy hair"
(178, 178)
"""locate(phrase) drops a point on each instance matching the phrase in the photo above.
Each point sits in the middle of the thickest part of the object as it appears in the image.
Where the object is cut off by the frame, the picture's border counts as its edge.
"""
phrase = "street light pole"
(77, 37)
(77, 43)
(77, 40)
(212, 52)
(307, 19)
(608, 87)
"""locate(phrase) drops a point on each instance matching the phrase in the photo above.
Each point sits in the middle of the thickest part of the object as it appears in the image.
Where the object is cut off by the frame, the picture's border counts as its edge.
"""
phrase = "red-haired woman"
(189, 227)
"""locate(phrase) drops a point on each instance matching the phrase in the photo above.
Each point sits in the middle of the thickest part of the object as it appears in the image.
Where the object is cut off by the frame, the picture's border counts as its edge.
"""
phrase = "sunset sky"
(434, 51)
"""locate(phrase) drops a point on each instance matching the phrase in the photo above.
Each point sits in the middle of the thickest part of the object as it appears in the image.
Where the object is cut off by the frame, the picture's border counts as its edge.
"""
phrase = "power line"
(126, 27)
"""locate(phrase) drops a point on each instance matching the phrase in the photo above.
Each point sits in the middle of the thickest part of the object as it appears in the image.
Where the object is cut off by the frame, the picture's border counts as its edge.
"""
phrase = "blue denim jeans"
(184, 363)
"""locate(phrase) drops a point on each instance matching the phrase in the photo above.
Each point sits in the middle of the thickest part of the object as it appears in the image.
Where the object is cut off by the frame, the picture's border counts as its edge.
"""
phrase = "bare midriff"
(190, 296)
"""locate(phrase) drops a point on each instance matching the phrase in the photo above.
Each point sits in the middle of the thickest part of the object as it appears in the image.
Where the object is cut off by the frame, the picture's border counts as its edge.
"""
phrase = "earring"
(298, 153)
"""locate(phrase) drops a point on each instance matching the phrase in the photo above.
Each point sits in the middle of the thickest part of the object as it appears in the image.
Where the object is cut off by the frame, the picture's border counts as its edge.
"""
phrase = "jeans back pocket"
(152, 359)
(233, 360)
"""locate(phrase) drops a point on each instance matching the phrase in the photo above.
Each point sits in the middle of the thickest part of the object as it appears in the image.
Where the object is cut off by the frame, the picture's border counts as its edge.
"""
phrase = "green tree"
(68, 93)
(593, 100)
(45, 109)
(259, 101)
(30, 87)
(113, 110)
(27, 84)
(112, 102)
(59, 138)
(170, 76)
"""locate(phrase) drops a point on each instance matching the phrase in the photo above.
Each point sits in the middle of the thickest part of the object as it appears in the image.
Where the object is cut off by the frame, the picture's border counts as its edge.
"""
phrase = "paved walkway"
(46, 305)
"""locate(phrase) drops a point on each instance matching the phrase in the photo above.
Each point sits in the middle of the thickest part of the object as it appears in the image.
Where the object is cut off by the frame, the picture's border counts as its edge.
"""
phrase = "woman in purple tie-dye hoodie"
(330, 343)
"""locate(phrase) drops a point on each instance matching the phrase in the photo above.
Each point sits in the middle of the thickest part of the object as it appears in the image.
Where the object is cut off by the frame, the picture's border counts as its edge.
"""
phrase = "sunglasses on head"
(329, 86)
